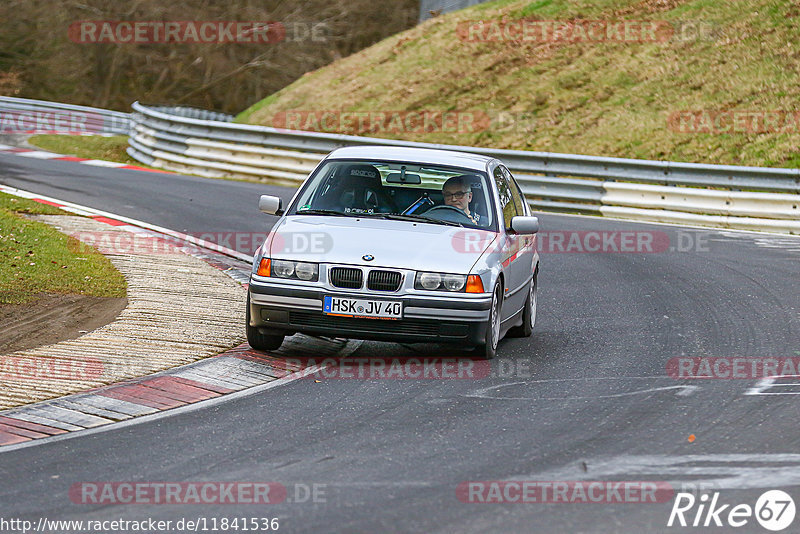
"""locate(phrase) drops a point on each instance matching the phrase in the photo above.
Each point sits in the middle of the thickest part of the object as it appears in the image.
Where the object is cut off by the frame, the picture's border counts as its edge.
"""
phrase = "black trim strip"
(317, 294)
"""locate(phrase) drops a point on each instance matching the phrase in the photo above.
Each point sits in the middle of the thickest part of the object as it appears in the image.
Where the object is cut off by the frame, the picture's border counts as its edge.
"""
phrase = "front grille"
(420, 327)
(346, 277)
(384, 280)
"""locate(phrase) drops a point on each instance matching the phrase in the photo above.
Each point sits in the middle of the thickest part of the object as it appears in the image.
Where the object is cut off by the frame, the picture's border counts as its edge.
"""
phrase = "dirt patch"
(52, 318)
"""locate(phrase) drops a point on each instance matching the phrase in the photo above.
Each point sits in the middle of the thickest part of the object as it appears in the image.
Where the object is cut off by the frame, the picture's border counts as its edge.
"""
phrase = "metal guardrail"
(427, 8)
(194, 113)
(208, 143)
(23, 115)
(728, 196)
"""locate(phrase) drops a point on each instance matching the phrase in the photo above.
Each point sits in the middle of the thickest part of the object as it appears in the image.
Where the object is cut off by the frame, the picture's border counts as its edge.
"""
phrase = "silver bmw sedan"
(398, 244)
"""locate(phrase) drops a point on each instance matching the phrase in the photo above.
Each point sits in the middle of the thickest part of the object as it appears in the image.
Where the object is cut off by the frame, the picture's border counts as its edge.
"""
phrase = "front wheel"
(528, 314)
(488, 349)
(256, 339)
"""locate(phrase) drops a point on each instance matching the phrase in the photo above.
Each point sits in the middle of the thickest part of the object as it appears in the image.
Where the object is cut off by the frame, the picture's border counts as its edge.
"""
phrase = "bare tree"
(36, 50)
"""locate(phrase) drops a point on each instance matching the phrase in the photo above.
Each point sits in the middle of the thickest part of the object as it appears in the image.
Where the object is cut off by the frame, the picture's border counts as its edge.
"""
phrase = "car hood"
(397, 244)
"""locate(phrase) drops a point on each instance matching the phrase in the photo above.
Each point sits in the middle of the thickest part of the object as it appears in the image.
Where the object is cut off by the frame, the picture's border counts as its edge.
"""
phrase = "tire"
(528, 314)
(488, 349)
(256, 339)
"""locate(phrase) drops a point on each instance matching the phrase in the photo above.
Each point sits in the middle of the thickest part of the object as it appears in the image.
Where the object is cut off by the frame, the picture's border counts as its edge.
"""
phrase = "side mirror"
(270, 205)
(524, 225)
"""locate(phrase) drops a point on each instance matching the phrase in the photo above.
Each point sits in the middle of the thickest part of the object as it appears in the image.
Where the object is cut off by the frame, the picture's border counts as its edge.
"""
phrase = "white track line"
(101, 163)
(38, 154)
(84, 210)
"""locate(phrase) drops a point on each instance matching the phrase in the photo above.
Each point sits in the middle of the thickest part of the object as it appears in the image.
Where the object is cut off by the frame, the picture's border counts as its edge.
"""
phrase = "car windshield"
(398, 190)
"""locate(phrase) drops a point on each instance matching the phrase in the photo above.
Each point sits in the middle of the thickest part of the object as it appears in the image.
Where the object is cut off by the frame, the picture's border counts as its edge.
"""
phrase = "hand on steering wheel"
(445, 209)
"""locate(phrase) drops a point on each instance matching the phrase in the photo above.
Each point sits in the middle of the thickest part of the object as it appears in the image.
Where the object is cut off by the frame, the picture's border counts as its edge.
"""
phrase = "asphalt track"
(586, 398)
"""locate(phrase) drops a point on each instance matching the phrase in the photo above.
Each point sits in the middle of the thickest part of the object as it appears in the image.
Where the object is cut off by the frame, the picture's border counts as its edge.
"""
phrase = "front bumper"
(289, 308)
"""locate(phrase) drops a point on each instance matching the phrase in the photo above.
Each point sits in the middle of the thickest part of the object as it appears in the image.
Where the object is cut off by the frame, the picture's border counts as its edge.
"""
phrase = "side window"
(519, 199)
(505, 196)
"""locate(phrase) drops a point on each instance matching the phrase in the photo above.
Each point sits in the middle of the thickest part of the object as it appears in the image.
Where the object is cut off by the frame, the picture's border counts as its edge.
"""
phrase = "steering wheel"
(447, 213)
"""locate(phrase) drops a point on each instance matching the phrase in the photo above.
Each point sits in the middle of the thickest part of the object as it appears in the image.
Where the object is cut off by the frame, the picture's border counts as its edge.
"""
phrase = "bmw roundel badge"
(367, 257)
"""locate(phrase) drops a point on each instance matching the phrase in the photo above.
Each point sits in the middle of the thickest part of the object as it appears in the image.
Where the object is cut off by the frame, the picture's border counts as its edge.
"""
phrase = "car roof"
(413, 155)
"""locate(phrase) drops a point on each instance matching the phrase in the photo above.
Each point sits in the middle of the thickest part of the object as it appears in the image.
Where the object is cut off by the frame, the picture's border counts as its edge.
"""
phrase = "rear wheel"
(488, 349)
(258, 340)
(528, 314)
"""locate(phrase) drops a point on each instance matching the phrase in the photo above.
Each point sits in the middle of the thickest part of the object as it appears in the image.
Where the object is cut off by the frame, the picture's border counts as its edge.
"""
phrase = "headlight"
(295, 270)
(306, 271)
(429, 281)
(440, 282)
(282, 269)
(454, 282)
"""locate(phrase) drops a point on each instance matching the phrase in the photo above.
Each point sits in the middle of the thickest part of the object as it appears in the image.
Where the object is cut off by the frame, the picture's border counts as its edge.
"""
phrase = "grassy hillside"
(615, 98)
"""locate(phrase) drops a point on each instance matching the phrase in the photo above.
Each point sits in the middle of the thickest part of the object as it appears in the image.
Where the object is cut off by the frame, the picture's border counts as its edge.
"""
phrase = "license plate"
(369, 309)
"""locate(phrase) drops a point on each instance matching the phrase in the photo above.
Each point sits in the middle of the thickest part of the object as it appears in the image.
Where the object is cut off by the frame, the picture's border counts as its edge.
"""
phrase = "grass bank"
(86, 146)
(35, 258)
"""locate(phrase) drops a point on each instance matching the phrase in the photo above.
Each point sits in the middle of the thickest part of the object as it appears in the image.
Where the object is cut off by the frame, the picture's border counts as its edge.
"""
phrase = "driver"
(457, 193)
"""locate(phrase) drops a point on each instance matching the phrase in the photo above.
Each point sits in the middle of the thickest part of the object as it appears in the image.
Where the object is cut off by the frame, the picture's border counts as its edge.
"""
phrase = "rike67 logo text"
(774, 510)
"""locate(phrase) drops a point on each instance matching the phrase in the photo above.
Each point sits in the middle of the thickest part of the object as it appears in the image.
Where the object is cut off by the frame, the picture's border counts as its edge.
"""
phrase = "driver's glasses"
(457, 195)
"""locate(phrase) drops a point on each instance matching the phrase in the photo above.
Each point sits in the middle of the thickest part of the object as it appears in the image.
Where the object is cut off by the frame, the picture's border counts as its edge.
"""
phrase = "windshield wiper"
(322, 212)
(414, 218)
(389, 216)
